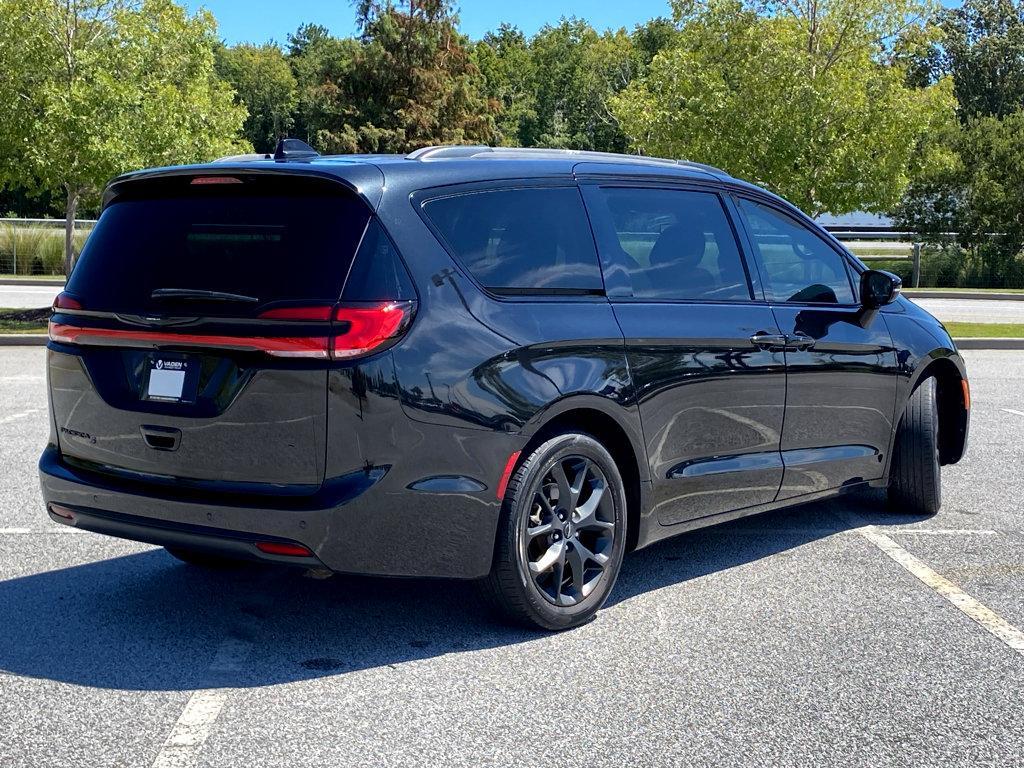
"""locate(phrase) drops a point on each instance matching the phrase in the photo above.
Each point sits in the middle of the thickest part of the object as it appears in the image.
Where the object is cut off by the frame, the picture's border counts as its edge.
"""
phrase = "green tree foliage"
(510, 81)
(263, 82)
(322, 66)
(97, 87)
(973, 192)
(412, 82)
(983, 49)
(807, 99)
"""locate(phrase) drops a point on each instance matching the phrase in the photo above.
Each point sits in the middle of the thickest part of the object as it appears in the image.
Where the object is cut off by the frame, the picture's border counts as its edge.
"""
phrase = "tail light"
(64, 301)
(361, 330)
(355, 330)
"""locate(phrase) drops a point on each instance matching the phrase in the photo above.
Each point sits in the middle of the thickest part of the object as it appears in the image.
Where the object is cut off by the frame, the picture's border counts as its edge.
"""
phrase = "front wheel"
(915, 477)
(561, 536)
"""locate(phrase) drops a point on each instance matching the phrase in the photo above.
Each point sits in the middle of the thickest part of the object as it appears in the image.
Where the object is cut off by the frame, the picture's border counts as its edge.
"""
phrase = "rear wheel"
(562, 535)
(207, 560)
(915, 475)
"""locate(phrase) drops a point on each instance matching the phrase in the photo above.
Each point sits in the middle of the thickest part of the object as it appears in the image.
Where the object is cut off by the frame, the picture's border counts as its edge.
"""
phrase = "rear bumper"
(366, 523)
(208, 539)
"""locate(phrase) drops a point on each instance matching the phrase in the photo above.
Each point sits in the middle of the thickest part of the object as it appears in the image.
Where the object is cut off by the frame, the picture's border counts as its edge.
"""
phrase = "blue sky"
(258, 20)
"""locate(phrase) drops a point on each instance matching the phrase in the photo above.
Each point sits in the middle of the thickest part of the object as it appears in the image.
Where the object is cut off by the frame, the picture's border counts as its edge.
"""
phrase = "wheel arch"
(597, 417)
(952, 401)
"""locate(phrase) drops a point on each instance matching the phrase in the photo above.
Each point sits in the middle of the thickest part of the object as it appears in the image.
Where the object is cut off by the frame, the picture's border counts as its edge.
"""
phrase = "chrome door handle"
(799, 341)
(762, 340)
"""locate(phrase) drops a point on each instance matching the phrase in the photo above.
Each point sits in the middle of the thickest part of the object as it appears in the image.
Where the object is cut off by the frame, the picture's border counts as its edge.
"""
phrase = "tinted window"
(799, 266)
(270, 240)
(521, 240)
(378, 272)
(675, 244)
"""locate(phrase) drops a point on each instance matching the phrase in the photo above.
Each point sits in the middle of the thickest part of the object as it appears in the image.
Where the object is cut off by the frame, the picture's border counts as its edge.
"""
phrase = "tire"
(915, 477)
(575, 557)
(207, 560)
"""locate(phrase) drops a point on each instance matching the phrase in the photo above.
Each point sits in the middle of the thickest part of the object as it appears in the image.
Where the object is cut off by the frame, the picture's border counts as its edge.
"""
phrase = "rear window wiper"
(202, 295)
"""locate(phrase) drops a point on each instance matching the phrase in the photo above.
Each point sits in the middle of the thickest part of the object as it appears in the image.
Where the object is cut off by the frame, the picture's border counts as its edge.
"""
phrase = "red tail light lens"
(284, 548)
(64, 301)
(298, 313)
(216, 180)
(364, 329)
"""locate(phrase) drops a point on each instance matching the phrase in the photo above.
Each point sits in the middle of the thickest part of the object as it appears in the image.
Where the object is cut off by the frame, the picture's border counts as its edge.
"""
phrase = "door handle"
(763, 340)
(799, 341)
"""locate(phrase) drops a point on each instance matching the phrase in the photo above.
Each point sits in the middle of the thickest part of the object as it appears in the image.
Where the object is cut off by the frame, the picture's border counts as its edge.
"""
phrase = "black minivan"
(497, 364)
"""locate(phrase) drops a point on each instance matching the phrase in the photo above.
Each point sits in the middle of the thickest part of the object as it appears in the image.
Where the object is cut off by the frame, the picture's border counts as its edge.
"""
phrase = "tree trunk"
(69, 230)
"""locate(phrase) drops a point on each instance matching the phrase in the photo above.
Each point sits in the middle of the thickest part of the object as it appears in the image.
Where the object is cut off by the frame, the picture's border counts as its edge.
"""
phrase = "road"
(969, 310)
(792, 638)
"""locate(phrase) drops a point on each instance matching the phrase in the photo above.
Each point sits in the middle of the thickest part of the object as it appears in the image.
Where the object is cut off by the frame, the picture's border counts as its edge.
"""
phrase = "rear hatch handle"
(161, 438)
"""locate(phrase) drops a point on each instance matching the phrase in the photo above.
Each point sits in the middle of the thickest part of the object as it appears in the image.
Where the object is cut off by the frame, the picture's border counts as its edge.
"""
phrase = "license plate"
(169, 380)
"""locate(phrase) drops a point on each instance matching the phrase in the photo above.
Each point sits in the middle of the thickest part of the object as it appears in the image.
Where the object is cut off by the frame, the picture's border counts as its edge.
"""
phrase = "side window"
(377, 272)
(521, 241)
(674, 244)
(799, 266)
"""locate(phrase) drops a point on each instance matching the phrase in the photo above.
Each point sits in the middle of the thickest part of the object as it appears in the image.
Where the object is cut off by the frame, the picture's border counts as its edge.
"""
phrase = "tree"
(807, 99)
(509, 78)
(322, 66)
(577, 73)
(98, 87)
(412, 82)
(263, 82)
(975, 199)
(983, 50)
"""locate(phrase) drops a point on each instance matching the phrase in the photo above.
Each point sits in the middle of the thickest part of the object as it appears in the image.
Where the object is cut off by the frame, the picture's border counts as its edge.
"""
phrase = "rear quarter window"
(520, 241)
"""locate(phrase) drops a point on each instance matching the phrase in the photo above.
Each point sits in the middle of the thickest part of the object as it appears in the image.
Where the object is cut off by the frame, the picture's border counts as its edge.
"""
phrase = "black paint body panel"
(389, 464)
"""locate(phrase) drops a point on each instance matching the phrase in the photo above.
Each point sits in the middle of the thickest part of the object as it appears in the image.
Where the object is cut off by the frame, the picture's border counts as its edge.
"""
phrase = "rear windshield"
(274, 239)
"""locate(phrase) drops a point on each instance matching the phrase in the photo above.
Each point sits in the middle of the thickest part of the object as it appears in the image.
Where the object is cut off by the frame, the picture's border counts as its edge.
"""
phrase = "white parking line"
(996, 625)
(196, 721)
(1013, 411)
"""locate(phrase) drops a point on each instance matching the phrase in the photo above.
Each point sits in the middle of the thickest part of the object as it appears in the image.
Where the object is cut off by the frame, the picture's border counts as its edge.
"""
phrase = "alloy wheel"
(569, 532)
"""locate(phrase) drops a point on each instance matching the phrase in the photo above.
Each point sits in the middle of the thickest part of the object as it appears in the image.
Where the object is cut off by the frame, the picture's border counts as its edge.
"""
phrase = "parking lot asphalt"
(790, 638)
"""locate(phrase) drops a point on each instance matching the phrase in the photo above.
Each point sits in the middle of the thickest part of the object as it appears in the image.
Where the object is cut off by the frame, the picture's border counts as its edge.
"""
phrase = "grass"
(15, 321)
(964, 330)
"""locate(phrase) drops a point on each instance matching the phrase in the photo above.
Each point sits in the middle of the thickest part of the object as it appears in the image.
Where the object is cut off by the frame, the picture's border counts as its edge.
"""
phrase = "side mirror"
(879, 288)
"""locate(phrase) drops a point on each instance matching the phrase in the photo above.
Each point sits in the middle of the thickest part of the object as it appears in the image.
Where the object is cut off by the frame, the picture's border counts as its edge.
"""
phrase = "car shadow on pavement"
(146, 622)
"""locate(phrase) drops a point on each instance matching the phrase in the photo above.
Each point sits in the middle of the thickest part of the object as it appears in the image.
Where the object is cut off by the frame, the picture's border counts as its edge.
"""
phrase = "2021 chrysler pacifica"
(497, 364)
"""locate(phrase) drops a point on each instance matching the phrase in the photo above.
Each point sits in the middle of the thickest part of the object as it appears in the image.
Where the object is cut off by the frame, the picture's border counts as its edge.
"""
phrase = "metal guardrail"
(47, 223)
(880, 238)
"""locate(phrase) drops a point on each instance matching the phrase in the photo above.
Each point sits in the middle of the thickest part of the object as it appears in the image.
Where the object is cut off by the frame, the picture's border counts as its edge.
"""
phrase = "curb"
(967, 343)
(923, 293)
(990, 343)
(30, 282)
(22, 340)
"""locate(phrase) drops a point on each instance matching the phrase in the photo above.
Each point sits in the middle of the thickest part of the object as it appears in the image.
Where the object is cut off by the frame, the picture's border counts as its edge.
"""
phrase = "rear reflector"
(284, 548)
(506, 474)
(216, 180)
(64, 301)
(967, 393)
(61, 512)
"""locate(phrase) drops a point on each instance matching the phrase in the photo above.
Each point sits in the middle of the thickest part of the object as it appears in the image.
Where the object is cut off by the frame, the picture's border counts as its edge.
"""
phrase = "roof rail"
(244, 158)
(448, 151)
(470, 151)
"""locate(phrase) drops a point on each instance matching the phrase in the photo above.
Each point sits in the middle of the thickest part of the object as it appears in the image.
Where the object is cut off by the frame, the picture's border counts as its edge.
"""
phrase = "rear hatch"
(194, 335)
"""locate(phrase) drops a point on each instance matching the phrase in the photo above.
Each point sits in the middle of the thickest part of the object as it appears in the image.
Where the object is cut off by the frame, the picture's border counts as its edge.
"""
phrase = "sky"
(256, 21)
